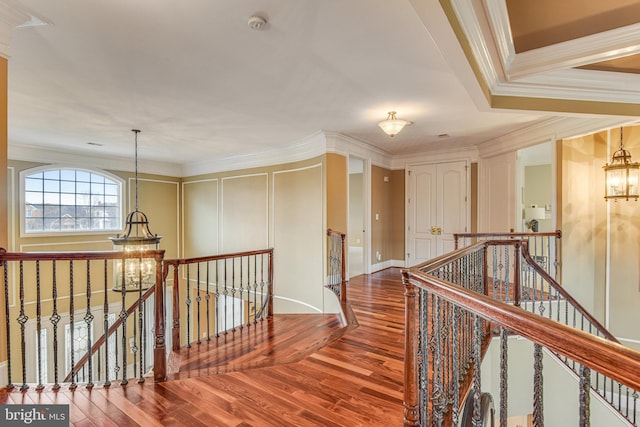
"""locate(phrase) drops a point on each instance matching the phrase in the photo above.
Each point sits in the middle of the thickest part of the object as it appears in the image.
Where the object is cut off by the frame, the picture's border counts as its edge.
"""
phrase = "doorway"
(356, 235)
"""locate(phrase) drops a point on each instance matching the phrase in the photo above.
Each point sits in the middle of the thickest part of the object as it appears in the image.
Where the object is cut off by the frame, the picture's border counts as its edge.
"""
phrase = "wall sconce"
(532, 215)
(393, 125)
(621, 175)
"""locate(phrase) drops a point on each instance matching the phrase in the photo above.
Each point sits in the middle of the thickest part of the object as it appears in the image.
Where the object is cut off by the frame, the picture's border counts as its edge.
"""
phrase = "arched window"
(69, 200)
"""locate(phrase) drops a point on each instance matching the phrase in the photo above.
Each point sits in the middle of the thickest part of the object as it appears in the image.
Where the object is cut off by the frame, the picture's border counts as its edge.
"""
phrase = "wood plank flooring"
(293, 371)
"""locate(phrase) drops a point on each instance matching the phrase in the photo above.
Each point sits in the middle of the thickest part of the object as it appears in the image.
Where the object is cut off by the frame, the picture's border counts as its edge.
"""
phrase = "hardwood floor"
(292, 371)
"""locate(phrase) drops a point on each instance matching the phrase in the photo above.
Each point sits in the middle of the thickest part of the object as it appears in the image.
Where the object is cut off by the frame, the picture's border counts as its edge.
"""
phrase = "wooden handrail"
(557, 233)
(604, 356)
(175, 263)
(566, 295)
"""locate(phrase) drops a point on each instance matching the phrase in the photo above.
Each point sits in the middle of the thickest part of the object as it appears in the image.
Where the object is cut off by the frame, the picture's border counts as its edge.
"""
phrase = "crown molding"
(28, 153)
(469, 154)
(349, 146)
(552, 129)
(311, 146)
(548, 72)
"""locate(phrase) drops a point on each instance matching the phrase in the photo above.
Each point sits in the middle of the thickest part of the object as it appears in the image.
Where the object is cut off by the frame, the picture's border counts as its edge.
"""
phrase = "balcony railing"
(452, 311)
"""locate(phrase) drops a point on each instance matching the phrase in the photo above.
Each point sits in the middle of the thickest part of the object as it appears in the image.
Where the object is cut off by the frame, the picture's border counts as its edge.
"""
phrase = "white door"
(437, 208)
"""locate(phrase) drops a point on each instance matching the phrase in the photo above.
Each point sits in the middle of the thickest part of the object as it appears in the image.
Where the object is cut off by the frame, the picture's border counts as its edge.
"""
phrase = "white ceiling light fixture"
(393, 125)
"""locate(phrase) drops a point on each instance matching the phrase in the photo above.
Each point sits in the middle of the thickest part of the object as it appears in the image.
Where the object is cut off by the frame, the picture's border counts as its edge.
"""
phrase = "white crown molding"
(552, 129)
(546, 72)
(469, 154)
(590, 49)
(312, 146)
(346, 146)
(30, 153)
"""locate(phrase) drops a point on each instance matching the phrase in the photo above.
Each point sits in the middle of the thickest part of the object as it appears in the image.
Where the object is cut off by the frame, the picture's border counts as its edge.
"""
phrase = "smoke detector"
(257, 23)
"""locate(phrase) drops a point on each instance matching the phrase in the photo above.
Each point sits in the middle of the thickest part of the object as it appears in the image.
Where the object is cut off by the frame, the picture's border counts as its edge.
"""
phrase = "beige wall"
(356, 210)
(583, 226)
(387, 214)
(337, 203)
(281, 206)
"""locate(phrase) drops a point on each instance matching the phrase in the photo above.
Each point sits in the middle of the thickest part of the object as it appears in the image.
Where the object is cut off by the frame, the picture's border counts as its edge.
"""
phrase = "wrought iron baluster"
(141, 329)
(187, 302)
(105, 326)
(73, 385)
(226, 295)
(208, 302)
(123, 317)
(198, 299)
(217, 298)
(437, 394)
(456, 365)
(477, 360)
(40, 386)
(5, 267)
(504, 365)
(55, 319)
(585, 387)
(88, 319)
(538, 412)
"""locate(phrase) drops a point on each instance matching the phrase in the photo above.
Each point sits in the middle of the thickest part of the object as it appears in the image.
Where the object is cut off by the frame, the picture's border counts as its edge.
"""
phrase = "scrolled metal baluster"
(105, 326)
(585, 388)
(477, 361)
(22, 319)
(198, 299)
(40, 386)
(5, 266)
(123, 317)
(88, 319)
(438, 395)
(143, 333)
(73, 385)
(504, 365)
(538, 414)
(423, 355)
(187, 302)
(217, 298)
(208, 302)
(241, 287)
(55, 319)
(456, 365)
(226, 295)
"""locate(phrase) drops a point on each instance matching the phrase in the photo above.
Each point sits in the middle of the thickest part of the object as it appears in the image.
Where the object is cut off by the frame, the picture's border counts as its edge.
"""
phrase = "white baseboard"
(387, 264)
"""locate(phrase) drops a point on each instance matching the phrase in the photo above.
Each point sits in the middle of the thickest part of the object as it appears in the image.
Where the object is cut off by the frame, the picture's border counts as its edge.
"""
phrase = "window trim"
(21, 201)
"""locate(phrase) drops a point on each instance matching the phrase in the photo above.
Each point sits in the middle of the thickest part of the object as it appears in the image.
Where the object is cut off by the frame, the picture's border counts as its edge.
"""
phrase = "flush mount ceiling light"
(621, 175)
(393, 125)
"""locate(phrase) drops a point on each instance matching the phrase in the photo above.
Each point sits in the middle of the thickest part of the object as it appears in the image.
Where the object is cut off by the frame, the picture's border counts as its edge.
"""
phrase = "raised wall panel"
(244, 213)
(298, 235)
(200, 218)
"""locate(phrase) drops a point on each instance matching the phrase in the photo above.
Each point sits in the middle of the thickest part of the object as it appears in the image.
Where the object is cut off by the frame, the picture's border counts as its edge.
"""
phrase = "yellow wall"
(337, 203)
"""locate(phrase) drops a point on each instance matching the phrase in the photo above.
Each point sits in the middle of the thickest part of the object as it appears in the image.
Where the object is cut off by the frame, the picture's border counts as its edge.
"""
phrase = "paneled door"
(436, 208)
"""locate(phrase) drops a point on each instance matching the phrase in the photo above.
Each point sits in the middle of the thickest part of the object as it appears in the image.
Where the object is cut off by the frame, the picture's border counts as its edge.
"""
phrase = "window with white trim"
(70, 200)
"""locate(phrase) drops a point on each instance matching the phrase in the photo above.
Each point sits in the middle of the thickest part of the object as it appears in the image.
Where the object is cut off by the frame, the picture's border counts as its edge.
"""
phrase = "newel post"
(411, 408)
(159, 353)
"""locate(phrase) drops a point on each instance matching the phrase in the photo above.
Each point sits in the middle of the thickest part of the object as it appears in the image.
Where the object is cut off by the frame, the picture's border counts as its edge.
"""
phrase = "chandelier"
(621, 175)
(135, 273)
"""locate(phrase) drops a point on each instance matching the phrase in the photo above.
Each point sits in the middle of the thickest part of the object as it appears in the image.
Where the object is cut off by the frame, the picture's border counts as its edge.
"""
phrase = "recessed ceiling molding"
(586, 50)
(490, 43)
(469, 154)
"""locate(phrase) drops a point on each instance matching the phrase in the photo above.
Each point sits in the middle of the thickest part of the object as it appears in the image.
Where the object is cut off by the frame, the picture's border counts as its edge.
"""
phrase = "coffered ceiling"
(208, 92)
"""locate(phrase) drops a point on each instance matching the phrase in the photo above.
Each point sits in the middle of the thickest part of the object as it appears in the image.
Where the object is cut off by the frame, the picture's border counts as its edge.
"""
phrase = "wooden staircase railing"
(54, 298)
(446, 293)
(220, 293)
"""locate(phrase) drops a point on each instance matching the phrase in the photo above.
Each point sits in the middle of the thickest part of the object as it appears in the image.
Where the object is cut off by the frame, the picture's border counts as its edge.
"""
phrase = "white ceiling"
(201, 85)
